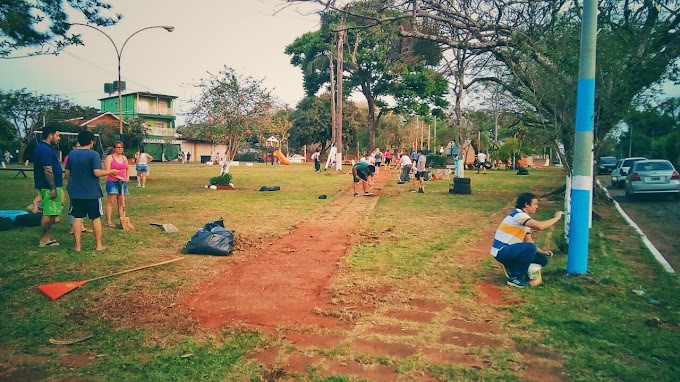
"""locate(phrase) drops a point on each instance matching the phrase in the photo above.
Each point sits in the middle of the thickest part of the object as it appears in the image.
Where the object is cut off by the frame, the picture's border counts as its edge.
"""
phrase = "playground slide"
(282, 158)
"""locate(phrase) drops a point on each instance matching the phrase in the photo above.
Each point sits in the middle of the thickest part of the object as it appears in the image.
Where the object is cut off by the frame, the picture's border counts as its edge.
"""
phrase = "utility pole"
(630, 141)
(334, 125)
(338, 119)
(582, 175)
(434, 141)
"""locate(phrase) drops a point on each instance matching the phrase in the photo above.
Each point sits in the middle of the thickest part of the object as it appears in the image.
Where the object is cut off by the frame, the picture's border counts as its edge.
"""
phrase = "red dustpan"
(56, 290)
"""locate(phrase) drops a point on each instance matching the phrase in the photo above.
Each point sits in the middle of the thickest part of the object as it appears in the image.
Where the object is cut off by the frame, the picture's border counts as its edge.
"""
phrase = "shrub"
(222, 180)
(248, 157)
(436, 161)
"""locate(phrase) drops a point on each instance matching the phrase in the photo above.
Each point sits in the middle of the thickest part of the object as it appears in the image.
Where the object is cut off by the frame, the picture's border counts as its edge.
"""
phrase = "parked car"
(296, 158)
(656, 176)
(621, 170)
(605, 165)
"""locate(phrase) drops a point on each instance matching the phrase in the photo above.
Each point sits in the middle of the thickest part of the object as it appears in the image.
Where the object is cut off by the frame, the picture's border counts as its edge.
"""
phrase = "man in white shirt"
(481, 161)
(405, 165)
(420, 173)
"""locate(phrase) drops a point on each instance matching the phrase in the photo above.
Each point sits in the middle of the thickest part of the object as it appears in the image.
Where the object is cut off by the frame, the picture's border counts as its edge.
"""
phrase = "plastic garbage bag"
(270, 188)
(212, 239)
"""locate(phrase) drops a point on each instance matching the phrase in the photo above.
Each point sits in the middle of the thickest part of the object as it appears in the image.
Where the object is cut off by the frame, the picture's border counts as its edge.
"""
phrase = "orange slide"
(282, 158)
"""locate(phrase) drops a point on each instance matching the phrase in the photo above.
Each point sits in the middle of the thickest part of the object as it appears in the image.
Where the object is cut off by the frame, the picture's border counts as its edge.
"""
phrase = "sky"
(247, 35)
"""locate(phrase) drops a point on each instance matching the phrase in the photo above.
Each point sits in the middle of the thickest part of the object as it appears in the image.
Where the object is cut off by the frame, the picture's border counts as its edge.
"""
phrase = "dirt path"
(284, 292)
(285, 283)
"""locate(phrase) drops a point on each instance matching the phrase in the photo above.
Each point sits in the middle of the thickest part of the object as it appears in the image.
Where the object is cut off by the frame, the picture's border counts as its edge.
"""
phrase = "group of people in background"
(81, 170)
(183, 157)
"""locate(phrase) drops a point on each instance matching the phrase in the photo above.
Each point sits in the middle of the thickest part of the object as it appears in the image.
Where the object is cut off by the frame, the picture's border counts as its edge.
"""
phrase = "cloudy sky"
(247, 35)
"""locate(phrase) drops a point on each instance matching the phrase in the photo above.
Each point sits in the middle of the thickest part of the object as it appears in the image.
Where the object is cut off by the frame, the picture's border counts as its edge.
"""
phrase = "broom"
(56, 290)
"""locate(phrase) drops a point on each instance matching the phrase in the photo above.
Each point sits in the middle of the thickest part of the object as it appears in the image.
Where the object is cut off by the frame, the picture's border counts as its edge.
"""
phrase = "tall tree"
(523, 36)
(378, 63)
(312, 122)
(27, 110)
(43, 25)
(228, 106)
(535, 45)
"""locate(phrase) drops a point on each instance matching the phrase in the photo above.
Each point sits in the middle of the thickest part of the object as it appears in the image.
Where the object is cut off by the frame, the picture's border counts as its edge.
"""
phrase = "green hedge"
(436, 161)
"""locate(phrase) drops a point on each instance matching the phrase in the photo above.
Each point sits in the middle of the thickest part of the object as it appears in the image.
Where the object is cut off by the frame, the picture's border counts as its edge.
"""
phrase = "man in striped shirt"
(513, 246)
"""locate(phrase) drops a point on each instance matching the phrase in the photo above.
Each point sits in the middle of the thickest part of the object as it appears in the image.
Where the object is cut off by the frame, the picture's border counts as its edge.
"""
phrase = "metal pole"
(630, 140)
(582, 179)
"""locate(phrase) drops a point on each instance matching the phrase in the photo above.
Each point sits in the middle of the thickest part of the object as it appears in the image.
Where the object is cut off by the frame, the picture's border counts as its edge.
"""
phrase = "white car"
(656, 176)
(620, 172)
(296, 158)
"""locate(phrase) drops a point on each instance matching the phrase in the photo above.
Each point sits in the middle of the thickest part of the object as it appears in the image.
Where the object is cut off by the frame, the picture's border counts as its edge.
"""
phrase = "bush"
(436, 161)
(248, 157)
(222, 180)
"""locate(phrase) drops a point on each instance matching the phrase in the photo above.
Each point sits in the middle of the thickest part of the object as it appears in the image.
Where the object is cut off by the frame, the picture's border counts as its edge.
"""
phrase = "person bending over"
(513, 246)
(361, 171)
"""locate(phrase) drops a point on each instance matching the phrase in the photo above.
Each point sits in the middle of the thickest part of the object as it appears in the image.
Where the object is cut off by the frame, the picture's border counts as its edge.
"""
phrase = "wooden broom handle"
(136, 269)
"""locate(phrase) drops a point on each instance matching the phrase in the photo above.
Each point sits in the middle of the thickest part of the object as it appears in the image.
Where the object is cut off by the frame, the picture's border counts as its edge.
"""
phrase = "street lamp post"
(119, 53)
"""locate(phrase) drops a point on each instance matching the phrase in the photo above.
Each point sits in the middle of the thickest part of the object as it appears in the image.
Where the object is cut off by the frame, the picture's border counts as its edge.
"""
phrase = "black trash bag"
(270, 188)
(5, 223)
(28, 220)
(212, 239)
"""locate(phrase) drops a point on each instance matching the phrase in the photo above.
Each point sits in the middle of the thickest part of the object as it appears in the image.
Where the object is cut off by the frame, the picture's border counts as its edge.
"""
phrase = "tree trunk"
(341, 42)
(371, 120)
(22, 151)
(334, 123)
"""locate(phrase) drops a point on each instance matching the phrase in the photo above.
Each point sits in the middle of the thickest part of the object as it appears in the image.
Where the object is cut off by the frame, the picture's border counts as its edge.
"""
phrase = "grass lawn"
(595, 322)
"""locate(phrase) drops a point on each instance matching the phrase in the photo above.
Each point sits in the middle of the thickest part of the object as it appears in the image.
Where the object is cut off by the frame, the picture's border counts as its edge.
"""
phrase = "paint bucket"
(534, 274)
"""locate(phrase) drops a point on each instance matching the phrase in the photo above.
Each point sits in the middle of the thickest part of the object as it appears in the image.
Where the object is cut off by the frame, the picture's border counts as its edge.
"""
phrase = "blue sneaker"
(517, 282)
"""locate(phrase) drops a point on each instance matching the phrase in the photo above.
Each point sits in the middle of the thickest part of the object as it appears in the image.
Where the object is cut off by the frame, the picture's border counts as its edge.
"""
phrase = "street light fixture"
(119, 53)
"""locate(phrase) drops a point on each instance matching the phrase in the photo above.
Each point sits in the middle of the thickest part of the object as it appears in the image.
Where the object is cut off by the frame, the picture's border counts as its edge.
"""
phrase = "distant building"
(107, 119)
(157, 112)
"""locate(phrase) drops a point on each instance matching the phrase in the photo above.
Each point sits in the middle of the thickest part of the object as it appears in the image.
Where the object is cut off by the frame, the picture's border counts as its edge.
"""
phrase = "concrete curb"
(657, 255)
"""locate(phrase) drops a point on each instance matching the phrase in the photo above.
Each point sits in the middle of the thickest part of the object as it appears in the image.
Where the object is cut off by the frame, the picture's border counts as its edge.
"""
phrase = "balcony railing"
(161, 132)
(156, 110)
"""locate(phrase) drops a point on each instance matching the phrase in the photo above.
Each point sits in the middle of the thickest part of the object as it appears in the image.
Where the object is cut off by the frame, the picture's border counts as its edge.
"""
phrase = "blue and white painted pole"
(582, 175)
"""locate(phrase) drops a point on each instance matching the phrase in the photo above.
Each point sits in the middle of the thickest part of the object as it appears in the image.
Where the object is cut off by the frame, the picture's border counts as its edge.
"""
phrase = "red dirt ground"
(311, 339)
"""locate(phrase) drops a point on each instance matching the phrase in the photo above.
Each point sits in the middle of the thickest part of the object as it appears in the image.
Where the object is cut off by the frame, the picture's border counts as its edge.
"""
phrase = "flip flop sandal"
(111, 225)
(51, 243)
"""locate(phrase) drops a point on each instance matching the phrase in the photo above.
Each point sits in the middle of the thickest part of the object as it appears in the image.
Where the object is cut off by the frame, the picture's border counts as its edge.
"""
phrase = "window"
(143, 106)
(159, 125)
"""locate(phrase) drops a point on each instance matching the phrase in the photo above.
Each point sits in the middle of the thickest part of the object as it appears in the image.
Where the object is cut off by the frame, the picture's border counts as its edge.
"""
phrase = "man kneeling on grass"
(513, 246)
(361, 173)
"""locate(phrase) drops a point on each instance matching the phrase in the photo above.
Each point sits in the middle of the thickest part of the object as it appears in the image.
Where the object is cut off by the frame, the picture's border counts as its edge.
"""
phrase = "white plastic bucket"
(534, 274)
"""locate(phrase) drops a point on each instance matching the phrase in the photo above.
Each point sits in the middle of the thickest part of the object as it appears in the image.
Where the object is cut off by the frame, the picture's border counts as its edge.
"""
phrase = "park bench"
(21, 171)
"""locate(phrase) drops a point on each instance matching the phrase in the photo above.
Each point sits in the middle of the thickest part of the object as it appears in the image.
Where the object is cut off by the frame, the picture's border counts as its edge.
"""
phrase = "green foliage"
(509, 146)
(228, 107)
(312, 122)
(248, 157)
(35, 24)
(379, 63)
(221, 180)
(436, 160)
